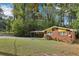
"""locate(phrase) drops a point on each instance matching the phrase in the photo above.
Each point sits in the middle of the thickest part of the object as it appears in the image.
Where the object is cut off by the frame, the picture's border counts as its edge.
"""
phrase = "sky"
(7, 8)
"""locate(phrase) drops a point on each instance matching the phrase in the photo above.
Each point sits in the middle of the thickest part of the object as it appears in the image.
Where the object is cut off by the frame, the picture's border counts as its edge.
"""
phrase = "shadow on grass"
(76, 41)
(6, 54)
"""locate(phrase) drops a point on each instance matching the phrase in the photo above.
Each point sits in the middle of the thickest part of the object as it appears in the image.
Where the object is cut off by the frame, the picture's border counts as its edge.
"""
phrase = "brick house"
(56, 33)
(60, 34)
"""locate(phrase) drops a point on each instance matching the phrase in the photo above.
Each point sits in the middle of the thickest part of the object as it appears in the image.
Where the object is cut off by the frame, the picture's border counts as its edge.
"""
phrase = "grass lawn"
(37, 47)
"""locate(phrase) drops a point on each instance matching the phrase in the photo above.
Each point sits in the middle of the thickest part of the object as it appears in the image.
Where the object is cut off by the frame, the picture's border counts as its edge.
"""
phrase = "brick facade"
(66, 36)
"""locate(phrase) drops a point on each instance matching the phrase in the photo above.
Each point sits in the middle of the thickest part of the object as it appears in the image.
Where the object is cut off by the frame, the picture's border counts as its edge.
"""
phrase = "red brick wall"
(56, 35)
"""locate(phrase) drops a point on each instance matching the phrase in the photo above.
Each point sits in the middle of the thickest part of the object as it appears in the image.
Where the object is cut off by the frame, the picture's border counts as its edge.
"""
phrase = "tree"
(2, 20)
(75, 23)
(49, 15)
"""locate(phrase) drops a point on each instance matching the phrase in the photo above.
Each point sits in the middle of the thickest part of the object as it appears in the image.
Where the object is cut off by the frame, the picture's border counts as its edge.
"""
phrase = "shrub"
(17, 27)
(23, 28)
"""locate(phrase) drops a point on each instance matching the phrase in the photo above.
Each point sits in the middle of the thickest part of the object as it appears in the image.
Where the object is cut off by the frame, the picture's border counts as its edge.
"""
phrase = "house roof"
(63, 28)
(49, 29)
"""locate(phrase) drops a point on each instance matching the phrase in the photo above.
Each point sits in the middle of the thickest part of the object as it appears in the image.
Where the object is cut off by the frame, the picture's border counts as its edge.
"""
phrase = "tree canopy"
(38, 16)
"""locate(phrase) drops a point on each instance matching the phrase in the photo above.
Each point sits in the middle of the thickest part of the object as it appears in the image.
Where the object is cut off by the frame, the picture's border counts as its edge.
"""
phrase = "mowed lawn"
(37, 47)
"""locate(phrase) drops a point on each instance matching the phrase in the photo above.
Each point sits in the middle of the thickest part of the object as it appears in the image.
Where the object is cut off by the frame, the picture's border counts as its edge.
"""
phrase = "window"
(63, 33)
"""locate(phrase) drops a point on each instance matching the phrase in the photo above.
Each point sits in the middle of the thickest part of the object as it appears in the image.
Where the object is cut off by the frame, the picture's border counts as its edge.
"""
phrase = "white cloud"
(7, 11)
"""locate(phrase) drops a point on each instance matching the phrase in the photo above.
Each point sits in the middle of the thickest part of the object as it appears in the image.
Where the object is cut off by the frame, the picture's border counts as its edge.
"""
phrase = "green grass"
(36, 47)
(6, 32)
